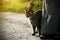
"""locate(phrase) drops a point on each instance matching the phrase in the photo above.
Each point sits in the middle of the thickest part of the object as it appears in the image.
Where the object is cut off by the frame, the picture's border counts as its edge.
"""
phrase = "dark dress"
(50, 25)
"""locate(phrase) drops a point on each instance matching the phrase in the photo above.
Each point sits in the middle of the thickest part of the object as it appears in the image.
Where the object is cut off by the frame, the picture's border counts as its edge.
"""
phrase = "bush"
(38, 5)
(17, 6)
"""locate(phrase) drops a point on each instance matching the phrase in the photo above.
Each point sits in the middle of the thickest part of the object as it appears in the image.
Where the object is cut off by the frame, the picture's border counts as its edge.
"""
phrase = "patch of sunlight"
(13, 5)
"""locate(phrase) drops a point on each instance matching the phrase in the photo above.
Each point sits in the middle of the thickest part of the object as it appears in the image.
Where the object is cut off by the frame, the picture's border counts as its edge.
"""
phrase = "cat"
(35, 20)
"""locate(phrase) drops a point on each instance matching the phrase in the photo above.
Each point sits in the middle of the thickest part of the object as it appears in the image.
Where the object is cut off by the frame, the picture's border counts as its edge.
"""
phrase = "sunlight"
(16, 5)
(13, 5)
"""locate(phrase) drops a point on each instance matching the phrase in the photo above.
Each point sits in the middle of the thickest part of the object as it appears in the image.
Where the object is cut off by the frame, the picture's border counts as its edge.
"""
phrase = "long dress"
(50, 24)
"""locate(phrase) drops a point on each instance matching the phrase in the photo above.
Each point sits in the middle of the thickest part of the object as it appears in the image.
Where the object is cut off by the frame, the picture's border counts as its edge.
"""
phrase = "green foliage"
(38, 5)
(17, 5)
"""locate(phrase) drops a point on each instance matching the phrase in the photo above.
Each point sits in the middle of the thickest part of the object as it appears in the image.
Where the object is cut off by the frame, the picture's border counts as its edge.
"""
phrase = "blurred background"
(18, 5)
(14, 25)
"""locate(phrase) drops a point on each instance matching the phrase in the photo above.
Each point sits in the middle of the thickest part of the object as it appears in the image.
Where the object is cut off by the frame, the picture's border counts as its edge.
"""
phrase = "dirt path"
(15, 27)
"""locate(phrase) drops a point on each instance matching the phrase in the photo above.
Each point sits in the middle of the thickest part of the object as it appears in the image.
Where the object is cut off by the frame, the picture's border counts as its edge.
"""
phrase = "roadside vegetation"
(17, 5)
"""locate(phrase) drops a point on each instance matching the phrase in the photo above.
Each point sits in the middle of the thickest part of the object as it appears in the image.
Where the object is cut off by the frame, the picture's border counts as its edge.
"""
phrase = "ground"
(15, 27)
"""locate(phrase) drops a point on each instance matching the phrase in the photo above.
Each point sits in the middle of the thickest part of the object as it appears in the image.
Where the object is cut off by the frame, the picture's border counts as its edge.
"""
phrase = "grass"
(18, 7)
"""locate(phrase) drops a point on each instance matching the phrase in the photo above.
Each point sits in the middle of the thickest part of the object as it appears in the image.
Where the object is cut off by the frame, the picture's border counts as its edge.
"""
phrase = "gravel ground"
(15, 27)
